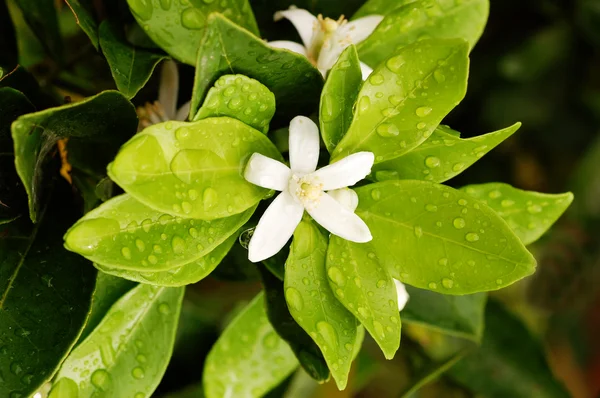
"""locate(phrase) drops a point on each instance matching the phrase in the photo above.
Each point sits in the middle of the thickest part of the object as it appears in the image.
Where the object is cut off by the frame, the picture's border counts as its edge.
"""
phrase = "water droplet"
(141, 8)
(210, 198)
(376, 79)
(495, 194)
(328, 333)
(439, 76)
(138, 373)
(507, 203)
(193, 232)
(534, 209)
(140, 245)
(16, 368)
(376, 194)
(432, 161)
(418, 231)
(447, 283)
(462, 202)
(379, 329)
(192, 18)
(348, 347)
(140, 395)
(499, 281)
(421, 125)
(423, 111)
(357, 282)
(164, 309)
(126, 253)
(178, 244)
(64, 388)
(364, 103)
(459, 223)
(100, 379)
(294, 298)
(336, 276)
(458, 167)
(187, 207)
(387, 130)
(443, 262)
(431, 208)
(394, 64)
(381, 283)
(432, 285)
(472, 237)
(165, 4)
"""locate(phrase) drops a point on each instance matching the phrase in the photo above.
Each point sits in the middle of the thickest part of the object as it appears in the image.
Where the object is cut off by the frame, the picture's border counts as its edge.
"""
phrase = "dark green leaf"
(84, 16)
(430, 373)
(227, 48)
(12, 105)
(106, 119)
(131, 67)
(41, 17)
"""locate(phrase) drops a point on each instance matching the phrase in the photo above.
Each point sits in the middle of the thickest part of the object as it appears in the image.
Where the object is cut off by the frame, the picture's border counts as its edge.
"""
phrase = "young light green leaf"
(241, 98)
(45, 297)
(84, 16)
(380, 7)
(128, 352)
(42, 18)
(366, 289)
(106, 119)
(185, 275)
(192, 170)
(249, 359)
(338, 97)
(313, 304)
(124, 234)
(226, 48)
(460, 316)
(443, 156)
(406, 98)
(178, 26)
(131, 67)
(529, 214)
(438, 19)
(437, 238)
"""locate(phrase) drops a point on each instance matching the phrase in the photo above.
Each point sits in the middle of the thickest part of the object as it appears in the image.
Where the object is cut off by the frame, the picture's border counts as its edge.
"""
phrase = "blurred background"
(538, 62)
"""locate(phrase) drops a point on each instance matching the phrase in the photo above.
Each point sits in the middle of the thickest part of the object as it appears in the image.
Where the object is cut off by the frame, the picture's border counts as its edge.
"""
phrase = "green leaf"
(529, 214)
(380, 7)
(106, 119)
(45, 298)
(108, 290)
(127, 354)
(460, 316)
(436, 19)
(338, 97)
(124, 234)
(185, 275)
(404, 100)
(366, 289)
(308, 353)
(249, 359)
(437, 238)
(430, 373)
(443, 156)
(509, 363)
(241, 98)
(227, 48)
(177, 27)
(131, 67)
(41, 17)
(84, 16)
(313, 304)
(192, 170)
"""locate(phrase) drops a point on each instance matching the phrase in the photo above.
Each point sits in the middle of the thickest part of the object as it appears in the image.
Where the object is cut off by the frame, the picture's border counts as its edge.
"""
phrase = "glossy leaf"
(307, 352)
(241, 98)
(455, 315)
(41, 17)
(249, 359)
(338, 97)
(127, 354)
(192, 170)
(131, 67)
(438, 19)
(108, 290)
(84, 16)
(227, 48)
(106, 119)
(178, 27)
(45, 298)
(380, 7)
(313, 304)
(124, 234)
(529, 214)
(441, 157)
(185, 275)
(405, 98)
(366, 289)
(437, 238)
(509, 363)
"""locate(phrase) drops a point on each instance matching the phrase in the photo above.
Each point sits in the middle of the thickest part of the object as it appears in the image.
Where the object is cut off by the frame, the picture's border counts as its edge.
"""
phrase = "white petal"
(366, 70)
(345, 172)
(303, 21)
(304, 145)
(330, 52)
(346, 197)
(289, 45)
(275, 228)
(339, 220)
(358, 30)
(183, 112)
(402, 294)
(267, 173)
(168, 90)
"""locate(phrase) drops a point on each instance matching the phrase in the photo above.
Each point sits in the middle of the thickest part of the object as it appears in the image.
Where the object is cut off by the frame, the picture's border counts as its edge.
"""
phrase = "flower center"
(322, 32)
(307, 190)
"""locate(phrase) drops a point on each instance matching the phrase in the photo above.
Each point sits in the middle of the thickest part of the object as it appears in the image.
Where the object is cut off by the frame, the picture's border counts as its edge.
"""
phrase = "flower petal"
(345, 172)
(267, 173)
(358, 30)
(183, 112)
(275, 228)
(340, 221)
(289, 45)
(330, 52)
(366, 70)
(168, 89)
(303, 21)
(304, 145)
(346, 197)
(402, 294)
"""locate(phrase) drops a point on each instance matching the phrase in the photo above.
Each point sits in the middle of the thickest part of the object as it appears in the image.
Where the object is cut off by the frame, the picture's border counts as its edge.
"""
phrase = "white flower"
(402, 294)
(303, 188)
(325, 39)
(165, 108)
